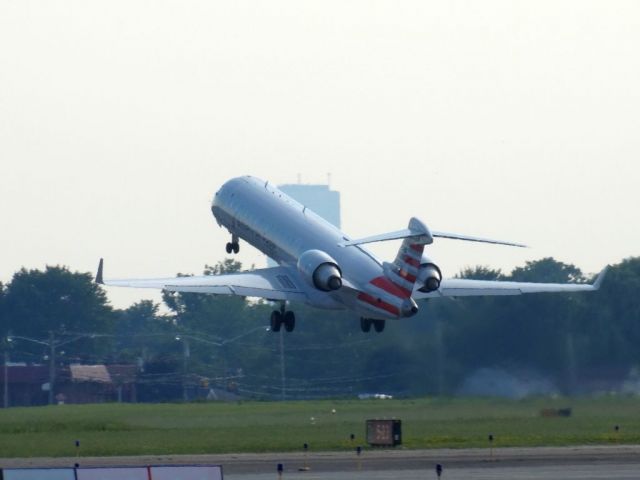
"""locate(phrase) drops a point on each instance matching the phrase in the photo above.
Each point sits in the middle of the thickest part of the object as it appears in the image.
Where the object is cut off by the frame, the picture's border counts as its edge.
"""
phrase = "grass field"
(126, 429)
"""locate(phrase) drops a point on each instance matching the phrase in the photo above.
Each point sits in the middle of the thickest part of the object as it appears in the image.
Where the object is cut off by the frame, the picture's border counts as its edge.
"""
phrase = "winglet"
(99, 279)
(600, 278)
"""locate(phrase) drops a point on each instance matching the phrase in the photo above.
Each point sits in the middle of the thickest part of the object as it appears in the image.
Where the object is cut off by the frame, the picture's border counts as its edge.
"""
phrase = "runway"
(565, 472)
(584, 463)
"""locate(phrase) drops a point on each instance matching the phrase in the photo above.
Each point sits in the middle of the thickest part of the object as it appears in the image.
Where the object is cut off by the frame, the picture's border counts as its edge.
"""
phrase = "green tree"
(55, 300)
(220, 316)
(611, 318)
(141, 332)
(208, 324)
(2, 304)
(528, 331)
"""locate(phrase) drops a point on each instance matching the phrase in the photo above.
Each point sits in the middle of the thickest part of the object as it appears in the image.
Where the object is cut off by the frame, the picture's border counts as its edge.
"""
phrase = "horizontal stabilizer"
(416, 230)
(421, 233)
(383, 237)
(468, 238)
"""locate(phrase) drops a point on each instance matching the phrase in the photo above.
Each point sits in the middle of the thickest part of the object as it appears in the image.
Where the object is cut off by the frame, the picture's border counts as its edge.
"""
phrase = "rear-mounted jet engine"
(320, 270)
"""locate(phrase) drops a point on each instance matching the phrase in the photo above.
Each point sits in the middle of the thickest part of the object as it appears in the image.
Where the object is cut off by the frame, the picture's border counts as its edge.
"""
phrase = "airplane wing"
(277, 283)
(463, 287)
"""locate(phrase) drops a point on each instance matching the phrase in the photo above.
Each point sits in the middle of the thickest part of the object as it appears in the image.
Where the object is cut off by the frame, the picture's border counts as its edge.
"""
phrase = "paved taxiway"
(496, 472)
(584, 463)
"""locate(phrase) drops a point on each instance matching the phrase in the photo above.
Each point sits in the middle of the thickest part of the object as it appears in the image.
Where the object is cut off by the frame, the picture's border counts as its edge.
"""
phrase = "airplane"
(323, 267)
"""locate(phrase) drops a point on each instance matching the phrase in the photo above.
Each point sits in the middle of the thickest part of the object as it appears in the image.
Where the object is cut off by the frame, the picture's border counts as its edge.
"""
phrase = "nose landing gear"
(233, 245)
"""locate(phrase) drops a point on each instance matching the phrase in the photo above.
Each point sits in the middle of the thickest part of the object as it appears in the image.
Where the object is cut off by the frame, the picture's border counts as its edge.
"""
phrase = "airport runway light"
(306, 467)
(280, 469)
(439, 470)
(491, 445)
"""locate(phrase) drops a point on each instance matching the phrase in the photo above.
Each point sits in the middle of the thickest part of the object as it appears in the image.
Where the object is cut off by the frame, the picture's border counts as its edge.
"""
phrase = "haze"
(514, 120)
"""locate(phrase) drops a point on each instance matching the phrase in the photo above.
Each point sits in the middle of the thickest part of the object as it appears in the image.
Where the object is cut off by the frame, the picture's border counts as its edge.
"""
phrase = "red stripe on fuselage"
(376, 302)
(417, 248)
(388, 286)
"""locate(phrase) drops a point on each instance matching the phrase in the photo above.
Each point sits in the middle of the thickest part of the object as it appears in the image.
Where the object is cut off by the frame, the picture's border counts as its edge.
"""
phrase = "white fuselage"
(282, 229)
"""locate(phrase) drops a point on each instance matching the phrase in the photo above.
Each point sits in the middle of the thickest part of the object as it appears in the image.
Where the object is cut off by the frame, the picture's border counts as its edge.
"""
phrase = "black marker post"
(280, 469)
(439, 470)
(306, 467)
(491, 446)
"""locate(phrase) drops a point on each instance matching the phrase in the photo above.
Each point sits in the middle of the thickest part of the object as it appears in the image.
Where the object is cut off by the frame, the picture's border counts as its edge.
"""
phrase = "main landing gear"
(283, 317)
(233, 245)
(365, 324)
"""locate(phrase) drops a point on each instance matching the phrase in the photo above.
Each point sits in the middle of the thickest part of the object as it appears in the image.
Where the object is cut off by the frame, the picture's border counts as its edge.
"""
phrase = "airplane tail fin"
(403, 272)
(400, 276)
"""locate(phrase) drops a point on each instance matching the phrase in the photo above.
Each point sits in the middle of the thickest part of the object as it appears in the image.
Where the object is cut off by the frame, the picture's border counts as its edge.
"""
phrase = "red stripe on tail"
(407, 276)
(411, 261)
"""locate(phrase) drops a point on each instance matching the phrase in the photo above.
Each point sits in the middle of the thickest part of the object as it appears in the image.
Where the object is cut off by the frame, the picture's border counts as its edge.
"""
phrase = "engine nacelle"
(429, 276)
(320, 270)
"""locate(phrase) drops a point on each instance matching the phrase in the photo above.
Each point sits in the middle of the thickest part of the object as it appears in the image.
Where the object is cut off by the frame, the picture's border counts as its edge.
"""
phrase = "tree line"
(570, 343)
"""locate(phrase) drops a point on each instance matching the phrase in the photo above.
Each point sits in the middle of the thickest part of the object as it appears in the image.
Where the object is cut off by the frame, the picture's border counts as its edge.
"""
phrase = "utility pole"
(440, 356)
(185, 366)
(6, 377)
(52, 365)
(283, 380)
(225, 367)
(51, 345)
(571, 363)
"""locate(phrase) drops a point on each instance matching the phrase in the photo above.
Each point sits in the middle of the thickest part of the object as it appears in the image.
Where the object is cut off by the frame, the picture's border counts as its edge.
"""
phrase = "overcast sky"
(512, 119)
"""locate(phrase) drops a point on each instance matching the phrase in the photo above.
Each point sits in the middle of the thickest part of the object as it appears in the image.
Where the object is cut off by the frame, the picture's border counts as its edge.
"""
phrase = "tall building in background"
(319, 198)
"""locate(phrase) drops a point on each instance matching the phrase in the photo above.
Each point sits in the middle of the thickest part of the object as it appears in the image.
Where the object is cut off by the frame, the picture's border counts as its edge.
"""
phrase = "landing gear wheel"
(379, 325)
(365, 324)
(289, 321)
(276, 321)
(235, 246)
(229, 247)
